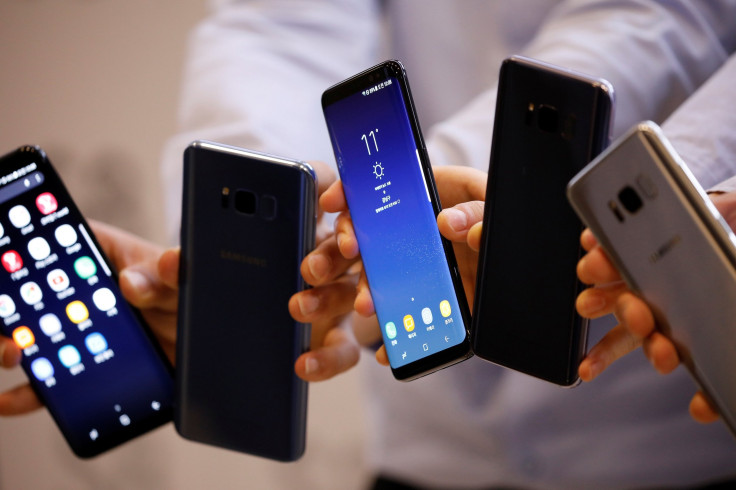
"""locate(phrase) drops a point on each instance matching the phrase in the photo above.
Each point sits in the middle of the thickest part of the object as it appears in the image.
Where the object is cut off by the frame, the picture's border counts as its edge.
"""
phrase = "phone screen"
(382, 161)
(85, 350)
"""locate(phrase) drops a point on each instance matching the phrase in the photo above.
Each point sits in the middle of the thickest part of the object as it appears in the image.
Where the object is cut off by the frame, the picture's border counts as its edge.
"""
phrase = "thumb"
(455, 222)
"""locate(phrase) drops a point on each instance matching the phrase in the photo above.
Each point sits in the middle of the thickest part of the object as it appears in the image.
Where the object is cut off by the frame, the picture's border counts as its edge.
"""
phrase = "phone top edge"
(596, 81)
(254, 154)
(349, 86)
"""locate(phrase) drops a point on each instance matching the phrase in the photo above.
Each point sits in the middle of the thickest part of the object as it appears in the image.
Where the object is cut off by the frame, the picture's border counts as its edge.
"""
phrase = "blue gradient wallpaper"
(394, 221)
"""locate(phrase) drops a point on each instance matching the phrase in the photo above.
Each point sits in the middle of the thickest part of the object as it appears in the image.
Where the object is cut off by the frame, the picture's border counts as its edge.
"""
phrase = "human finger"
(595, 302)
(10, 354)
(701, 410)
(338, 353)
(325, 263)
(635, 314)
(615, 344)
(18, 401)
(363, 303)
(661, 353)
(345, 235)
(333, 200)
(588, 240)
(454, 223)
(382, 356)
(595, 268)
(323, 307)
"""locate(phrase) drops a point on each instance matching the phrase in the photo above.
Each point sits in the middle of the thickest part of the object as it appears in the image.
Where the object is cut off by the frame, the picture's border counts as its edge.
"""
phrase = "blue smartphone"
(89, 356)
(387, 178)
(248, 220)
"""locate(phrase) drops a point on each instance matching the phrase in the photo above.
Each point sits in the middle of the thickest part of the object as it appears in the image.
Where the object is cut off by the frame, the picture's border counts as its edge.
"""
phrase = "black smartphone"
(549, 123)
(390, 190)
(672, 247)
(89, 356)
(248, 220)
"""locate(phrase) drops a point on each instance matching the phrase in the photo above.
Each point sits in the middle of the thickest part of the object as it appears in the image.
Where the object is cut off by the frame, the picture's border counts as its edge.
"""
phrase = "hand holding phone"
(389, 188)
(672, 247)
(89, 356)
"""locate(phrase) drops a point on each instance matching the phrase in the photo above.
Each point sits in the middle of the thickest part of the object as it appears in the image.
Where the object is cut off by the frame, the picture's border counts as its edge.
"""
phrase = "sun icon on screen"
(378, 170)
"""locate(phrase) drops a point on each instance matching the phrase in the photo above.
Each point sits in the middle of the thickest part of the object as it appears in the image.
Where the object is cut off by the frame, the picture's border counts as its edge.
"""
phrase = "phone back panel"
(247, 222)
(672, 247)
(549, 124)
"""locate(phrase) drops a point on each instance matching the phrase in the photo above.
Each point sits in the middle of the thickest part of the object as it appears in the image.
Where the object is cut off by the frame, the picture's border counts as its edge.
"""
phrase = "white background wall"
(95, 83)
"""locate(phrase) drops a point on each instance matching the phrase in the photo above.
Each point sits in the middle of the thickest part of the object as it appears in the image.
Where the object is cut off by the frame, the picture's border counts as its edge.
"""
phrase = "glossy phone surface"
(549, 124)
(672, 247)
(88, 355)
(390, 191)
(248, 220)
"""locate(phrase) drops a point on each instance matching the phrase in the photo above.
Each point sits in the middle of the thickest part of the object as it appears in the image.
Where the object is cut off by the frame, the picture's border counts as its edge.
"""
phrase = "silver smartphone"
(672, 247)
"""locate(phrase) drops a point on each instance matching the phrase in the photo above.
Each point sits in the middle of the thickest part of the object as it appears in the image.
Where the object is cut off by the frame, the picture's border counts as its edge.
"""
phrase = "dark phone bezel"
(602, 118)
(361, 81)
(35, 154)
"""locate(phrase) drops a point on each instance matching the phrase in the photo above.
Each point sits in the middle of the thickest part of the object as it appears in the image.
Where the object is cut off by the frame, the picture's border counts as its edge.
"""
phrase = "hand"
(455, 185)
(148, 280)
(335, 348)
(637, 326)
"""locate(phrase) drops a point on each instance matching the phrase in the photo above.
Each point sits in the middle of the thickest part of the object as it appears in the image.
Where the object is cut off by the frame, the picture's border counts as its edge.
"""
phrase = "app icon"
(69, 356)
(23, 337)
(409, 323)
(39, 248)
(427, 316)
(65, 235)
(445, 308)
(19, 216)
(58, 280)
(104, 299)
(42, 369)
(7, 306)
(46, 203)
(85, 267)
(77, 312)
(96, 343)
(50, 324)
(391, 330)
(31, 293)
(12, 261)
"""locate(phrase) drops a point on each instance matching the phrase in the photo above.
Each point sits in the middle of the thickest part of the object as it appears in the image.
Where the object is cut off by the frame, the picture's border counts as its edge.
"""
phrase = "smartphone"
(389, 187)
(550, 122)
(88, 355)
(672, 247)
(248, 220)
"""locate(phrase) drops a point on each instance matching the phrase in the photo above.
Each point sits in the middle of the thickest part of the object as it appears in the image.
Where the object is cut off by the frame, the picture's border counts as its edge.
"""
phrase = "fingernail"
(456, 219)
(307, 303)
(140, 282)
(318, 265)
(311, 365)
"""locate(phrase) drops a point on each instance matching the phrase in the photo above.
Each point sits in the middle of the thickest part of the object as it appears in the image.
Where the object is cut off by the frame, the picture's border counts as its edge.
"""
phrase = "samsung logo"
(665, 249)
(244, 259)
